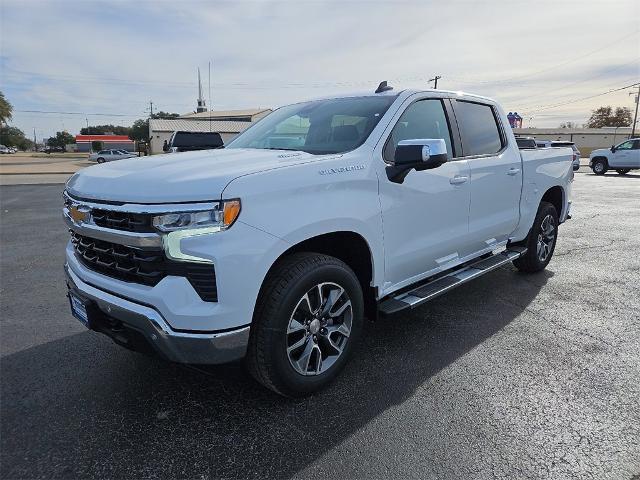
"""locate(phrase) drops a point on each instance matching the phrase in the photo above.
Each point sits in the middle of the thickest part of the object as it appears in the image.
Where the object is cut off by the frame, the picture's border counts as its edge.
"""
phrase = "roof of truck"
(406, 93)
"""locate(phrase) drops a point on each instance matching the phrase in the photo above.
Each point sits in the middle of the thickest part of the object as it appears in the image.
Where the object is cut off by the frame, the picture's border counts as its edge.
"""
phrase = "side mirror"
(613, 148)
(418, 154)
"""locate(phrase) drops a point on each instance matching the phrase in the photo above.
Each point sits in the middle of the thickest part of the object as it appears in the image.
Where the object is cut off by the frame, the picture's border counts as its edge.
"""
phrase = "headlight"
(219, 218)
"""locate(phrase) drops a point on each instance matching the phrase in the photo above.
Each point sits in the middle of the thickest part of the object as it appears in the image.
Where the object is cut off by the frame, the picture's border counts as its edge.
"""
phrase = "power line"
(82, 113)
(548, 107)
(605, 72)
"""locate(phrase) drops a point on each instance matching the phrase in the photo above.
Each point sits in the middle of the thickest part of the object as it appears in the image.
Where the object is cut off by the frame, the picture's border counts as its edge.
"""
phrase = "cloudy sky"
(106, 60)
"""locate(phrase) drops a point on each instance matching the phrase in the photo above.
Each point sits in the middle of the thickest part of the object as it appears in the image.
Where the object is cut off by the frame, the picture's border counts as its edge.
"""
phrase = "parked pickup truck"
(623, 158)
(276, 255)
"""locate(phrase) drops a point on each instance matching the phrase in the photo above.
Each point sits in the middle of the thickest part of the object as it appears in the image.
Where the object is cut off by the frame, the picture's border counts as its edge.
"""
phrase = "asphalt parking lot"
(510, 376)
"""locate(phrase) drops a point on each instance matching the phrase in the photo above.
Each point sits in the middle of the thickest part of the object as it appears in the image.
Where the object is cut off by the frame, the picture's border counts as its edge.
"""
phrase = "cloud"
(114, 57)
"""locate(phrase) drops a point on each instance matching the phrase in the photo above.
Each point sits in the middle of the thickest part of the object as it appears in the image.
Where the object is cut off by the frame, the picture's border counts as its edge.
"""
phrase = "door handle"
(458, 179)
(513, 171)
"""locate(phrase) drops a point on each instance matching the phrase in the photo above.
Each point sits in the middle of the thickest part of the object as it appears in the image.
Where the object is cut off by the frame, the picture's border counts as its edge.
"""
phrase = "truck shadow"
(82, 407)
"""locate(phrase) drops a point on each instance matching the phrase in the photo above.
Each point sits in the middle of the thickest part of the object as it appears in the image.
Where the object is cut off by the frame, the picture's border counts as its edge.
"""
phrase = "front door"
(496, 174)
(425, 218)
(627, 155)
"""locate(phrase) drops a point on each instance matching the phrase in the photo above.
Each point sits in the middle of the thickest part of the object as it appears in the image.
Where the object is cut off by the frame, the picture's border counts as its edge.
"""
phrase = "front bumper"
(140, 327)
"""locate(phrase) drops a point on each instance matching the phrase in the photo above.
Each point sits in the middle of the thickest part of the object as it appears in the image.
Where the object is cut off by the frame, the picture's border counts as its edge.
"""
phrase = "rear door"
(496, 174)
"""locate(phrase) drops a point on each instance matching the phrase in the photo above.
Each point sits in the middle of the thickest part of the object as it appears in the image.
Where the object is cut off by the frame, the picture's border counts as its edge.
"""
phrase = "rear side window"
(422, 119)
(478, 128)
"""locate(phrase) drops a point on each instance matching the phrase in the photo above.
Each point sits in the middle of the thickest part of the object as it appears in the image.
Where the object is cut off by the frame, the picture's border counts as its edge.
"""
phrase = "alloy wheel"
(546, 237)
(319, 329)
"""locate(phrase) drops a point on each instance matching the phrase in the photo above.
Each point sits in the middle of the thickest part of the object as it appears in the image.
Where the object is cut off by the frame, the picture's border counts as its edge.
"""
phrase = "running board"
(427, 291)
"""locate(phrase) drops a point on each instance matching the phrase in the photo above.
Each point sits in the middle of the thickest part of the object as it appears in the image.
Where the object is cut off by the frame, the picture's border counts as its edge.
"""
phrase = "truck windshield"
(319, 127)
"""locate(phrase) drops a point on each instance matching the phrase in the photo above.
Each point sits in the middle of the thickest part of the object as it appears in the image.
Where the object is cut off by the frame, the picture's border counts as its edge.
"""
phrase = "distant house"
(104, 142)
(227, 123)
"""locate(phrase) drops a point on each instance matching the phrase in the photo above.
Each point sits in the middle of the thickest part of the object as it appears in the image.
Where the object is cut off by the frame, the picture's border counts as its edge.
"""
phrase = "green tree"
(6, 109)
(61, 139)
(608, 117)
(14, 137)
(105, 129)
(165, 115)
(140, 131)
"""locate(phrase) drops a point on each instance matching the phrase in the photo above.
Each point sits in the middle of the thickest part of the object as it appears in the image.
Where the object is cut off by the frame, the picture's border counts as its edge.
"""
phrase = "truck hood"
(600, 151)
(179, 177)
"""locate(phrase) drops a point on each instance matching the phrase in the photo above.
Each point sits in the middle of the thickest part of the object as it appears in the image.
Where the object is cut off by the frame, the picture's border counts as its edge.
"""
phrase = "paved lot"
(37, 168)
(510, 376)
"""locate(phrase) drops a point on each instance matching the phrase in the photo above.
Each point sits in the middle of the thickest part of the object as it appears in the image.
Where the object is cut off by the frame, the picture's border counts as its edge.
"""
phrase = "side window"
(422, 119)
(478, 128)
(636, 145)
(628, 145)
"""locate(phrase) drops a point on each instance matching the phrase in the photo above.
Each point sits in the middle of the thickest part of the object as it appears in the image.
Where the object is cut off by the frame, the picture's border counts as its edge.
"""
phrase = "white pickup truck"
(276, 247)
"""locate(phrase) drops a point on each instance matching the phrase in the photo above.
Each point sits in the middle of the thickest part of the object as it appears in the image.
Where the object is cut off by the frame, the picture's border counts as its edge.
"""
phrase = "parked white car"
(378, 203)
(110, 155)
(622, 158)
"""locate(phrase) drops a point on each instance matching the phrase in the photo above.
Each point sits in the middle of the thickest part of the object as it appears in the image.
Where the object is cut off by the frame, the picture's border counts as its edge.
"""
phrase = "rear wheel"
(623, 171)
(307, 320)
(541, 241)
(599, 166)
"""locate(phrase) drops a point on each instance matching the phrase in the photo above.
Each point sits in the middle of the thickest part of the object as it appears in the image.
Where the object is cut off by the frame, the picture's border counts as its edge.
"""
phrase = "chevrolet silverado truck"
(275, 248)
(622, 158)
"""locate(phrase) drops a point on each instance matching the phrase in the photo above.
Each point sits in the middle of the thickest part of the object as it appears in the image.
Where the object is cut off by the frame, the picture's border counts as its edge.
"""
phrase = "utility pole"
(435, 80)
(150, 109)
(635, 117)
(35, 144)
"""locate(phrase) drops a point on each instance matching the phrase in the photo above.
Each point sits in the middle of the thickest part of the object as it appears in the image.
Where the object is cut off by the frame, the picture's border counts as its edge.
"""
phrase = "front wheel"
(100, 160)
(599, 166)
(541, 241)
(308, 317)
(623, 171)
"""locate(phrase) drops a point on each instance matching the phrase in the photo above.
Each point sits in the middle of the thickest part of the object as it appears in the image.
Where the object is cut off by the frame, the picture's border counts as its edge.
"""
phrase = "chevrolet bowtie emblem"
(79, 214)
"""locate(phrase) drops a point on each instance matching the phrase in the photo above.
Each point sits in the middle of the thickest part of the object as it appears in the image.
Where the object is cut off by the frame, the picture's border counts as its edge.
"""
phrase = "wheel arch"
(348, 246)
(601, 157)
(555, 196)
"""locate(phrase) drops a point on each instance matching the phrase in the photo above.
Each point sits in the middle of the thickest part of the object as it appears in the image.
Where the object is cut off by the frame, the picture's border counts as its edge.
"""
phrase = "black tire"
(285, 287)
(100, 160)
(531, 261)
(599, 166)
(623, 171)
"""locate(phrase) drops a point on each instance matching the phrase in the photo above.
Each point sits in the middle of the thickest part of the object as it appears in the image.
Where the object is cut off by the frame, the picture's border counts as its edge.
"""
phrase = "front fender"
(304, 201)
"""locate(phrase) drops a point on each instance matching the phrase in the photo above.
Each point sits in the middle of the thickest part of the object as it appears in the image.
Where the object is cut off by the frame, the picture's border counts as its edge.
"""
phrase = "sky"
(103, 62)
